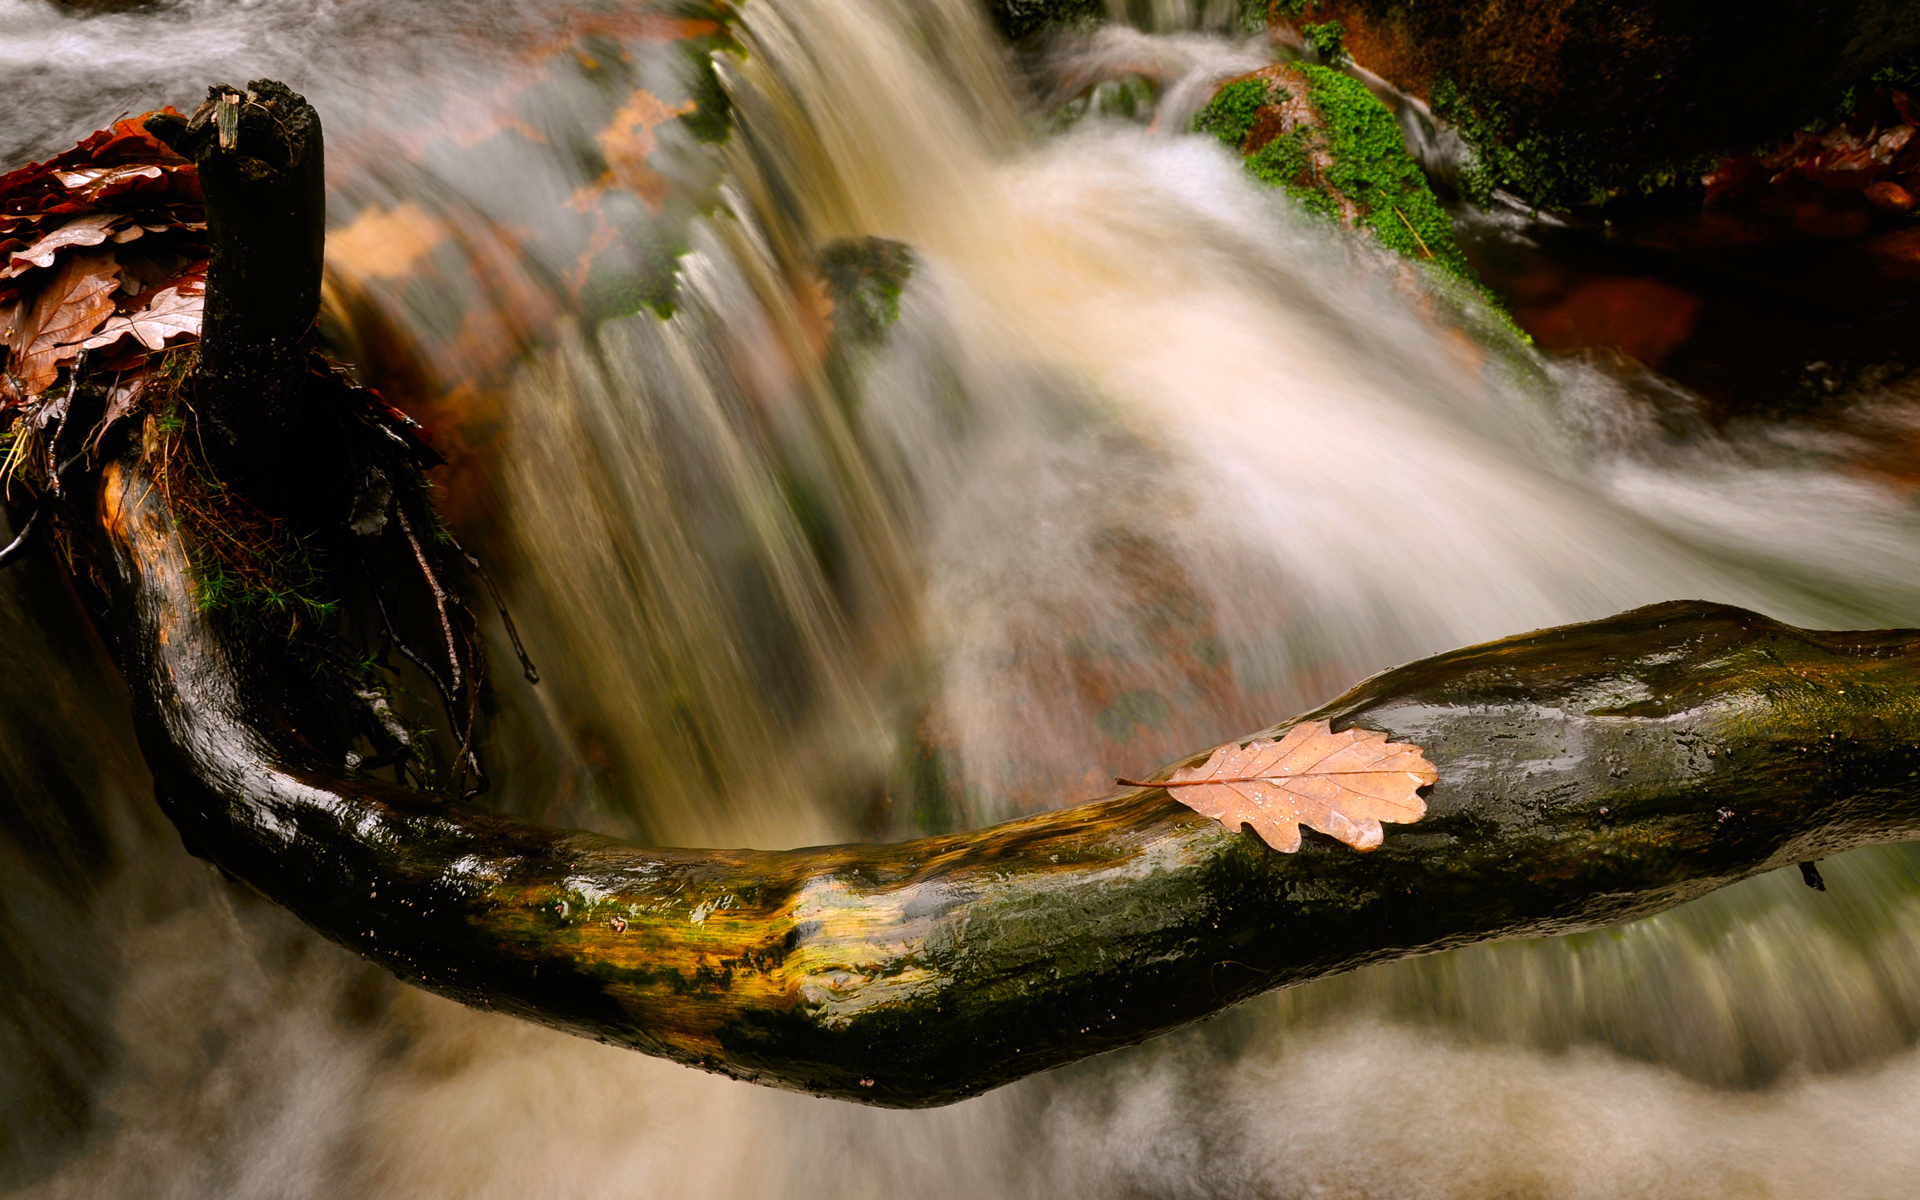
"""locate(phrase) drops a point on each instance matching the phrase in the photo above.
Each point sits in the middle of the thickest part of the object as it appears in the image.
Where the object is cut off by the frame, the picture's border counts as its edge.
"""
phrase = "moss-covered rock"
(1321, 137)
(1570, 102)
(864, 278)
(1018, 19)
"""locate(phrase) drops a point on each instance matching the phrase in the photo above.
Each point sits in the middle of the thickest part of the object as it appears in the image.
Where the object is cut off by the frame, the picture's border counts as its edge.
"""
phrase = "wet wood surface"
(1588, 775)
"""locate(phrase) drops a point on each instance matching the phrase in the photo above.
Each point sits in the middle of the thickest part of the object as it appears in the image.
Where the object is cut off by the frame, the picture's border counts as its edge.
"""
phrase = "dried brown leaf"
(90, 180)
(384, 243)
(1342, 784)
(121, 397)
(67, 310)
(627, 142)
(174, 310)
(89, 229)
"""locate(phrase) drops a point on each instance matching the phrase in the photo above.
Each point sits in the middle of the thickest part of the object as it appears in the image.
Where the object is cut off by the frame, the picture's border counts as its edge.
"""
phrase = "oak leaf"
(1342, 784)
(628, 142)
(173, 310)
(88, 180)
(88, 230)
(66, 311)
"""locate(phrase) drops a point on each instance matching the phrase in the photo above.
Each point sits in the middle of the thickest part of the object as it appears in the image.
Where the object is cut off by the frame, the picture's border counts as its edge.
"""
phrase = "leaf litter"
(102, 248)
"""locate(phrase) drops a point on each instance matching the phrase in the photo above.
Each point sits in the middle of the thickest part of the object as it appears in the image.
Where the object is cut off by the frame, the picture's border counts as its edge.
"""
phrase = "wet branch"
(1588, 775)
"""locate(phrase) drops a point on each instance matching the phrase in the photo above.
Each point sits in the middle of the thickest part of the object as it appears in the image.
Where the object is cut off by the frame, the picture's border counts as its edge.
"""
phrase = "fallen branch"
(1587, 775)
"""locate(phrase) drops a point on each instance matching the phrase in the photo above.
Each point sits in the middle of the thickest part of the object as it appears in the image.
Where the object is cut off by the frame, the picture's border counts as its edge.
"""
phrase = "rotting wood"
(260, 154)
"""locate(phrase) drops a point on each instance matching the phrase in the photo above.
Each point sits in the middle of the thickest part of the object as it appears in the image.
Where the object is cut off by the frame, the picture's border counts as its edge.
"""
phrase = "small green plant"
(245, 564)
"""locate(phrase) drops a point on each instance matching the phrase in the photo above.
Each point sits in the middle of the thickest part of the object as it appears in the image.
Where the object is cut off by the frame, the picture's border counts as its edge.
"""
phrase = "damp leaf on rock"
(1342, 784)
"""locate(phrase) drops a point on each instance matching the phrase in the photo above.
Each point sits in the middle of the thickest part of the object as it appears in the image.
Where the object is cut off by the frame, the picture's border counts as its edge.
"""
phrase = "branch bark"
(1588, 775)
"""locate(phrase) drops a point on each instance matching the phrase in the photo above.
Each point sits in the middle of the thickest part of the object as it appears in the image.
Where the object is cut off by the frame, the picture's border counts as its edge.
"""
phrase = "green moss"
(1902, 76)
(1018, 19)
(712, 117)
(1329, 41)
(1369, 164)
(646, 277)
(864, 278)
(1284, 163)
(1129, 98)
(1554, 170)
(1371, 167)
(1231, 113)
(246, 567)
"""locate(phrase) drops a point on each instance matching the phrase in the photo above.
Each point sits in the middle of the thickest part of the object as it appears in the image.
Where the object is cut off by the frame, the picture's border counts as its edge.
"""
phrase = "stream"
(1147, 459)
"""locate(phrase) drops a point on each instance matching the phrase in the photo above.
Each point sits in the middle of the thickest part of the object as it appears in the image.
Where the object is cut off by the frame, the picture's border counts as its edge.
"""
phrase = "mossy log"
(1587, 775)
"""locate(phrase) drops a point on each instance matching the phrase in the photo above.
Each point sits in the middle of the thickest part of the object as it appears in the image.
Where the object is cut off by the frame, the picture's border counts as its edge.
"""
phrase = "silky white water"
(1148, 460)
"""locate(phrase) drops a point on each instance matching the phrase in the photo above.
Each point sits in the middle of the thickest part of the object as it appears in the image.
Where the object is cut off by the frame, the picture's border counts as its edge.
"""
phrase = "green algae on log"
(1324, 139)
(1588, 775)
(1570, 101)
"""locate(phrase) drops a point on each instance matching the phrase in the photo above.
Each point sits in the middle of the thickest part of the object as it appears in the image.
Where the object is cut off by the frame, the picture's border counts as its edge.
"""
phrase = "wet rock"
(1322, 137)
(1019, 19)
(1569, 102)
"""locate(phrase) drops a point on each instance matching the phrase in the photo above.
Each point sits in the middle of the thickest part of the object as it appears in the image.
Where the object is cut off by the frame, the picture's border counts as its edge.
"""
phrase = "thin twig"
(506, 618)
(53, 439)
(1410, 229)
(14, 549)
(406, 651)
(439, 593)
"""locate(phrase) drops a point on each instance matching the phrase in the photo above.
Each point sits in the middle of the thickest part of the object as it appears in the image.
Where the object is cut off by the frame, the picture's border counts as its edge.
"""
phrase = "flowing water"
(1147, 460)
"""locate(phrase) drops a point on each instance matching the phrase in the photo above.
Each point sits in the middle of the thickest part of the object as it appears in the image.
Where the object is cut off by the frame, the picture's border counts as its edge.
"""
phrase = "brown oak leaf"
(173, 310)
(67, 310)
(86, 179)
(627, 142)
(1342, 784)
(88, 230)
